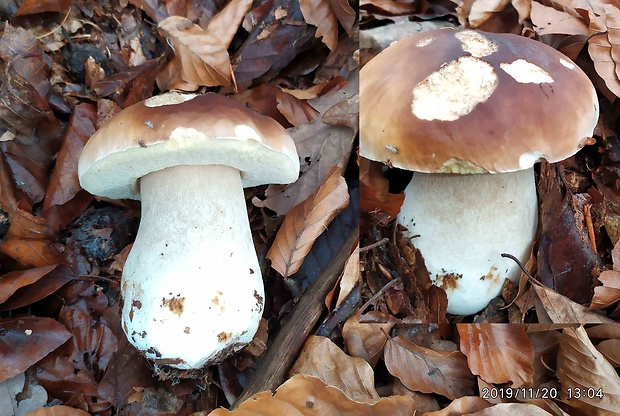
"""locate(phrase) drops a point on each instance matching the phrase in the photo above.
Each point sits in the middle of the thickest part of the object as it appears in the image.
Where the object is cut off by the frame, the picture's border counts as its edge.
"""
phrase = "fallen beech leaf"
(366, 340)
(304, 395)
(581, 365)
(320, 147)
(325, 14)
(512, 409)
(480, 11)
(64, 184)
(600, 47)
(556, 308)
(12, 281)
(296, 111)
(610, 348)
(25, 225)
(304, 223)
(462, 406)
(609, 293)
(203, 54)
(36, 287)
(321, 358)
(276, 39)
(32, 253)
(24, 97)
(428, 371)
(548, 20)
(498, 353)
(351, 276)
(26, 340)
(58, 410)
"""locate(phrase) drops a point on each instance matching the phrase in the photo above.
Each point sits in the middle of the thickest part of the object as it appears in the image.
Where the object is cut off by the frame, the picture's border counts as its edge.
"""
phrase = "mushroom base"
(462, 223)
(192, 286)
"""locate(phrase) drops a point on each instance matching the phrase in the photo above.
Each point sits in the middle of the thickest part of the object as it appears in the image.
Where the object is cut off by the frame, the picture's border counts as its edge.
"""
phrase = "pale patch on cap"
(567, 64)
(171, 98)
(476, 44)
(454, 90)
(528, 159)
(425, 42)
(246, 132)
(463, 167)
(526, 72)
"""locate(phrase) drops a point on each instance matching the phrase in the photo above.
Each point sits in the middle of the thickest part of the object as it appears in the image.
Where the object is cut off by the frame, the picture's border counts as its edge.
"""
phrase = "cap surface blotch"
(168, 99)
(454, 90)
(425, 42)
(526, 72)
(567, 64)
(476, 44)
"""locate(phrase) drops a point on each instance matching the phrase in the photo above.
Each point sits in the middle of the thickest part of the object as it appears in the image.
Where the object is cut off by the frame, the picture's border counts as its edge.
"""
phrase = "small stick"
(379, 293)
(588, 215)
(375, 245)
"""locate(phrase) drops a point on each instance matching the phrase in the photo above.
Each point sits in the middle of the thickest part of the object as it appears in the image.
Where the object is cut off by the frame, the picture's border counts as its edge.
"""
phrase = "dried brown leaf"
(304, 395)
(498, 353)
(600, 50)
(320, 147)
(64, 184)
(462, 406)
(50, 282)
(296, 111)
(203, 54)
(321, 358)
(325, 14)
(513, 409)
(26, 340)
(58, 410)
(553, 307)
(609, 293)
(581, 365)
(12, 281)
(549, 20)
(32, 253)
(304, 223)
(366, 340)
(610, 348)
(428, 371)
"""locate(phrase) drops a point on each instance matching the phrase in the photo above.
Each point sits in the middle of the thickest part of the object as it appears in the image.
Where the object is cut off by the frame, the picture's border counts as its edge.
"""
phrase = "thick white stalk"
(462, 223)
(192, 286)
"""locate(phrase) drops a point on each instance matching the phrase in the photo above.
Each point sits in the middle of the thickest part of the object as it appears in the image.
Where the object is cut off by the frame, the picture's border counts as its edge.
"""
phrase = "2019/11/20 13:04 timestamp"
(527, 393)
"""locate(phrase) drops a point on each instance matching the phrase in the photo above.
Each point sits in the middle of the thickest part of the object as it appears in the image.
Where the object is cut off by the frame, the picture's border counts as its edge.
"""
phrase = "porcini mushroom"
(192, 287)
(471, 113)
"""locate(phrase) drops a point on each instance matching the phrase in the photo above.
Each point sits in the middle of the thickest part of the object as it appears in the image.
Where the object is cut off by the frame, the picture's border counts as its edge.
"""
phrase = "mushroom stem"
(192, 286)
(462, 223)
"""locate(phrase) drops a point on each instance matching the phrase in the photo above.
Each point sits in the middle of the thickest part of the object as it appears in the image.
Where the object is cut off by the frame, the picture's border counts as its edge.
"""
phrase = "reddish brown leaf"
(366, 340)
(498, 353)
(428, 371)
(64, 184)
(26, 340)
(600, 49)
(12, 281)
(32, 253)
(609, 293)
(55, 279)
(553, 307)
(304, 223)
(42, 6)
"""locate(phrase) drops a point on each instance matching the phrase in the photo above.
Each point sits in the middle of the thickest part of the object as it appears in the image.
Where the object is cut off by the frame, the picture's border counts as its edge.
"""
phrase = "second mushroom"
(471, 113)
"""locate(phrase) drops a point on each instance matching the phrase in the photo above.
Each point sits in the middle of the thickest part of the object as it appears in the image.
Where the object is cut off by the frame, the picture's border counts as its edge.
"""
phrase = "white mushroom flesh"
(463, 223)
(192, 286)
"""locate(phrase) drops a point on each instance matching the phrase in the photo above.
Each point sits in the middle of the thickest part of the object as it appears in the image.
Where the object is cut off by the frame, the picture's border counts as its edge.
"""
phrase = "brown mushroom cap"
(182, 129)
(463, 101)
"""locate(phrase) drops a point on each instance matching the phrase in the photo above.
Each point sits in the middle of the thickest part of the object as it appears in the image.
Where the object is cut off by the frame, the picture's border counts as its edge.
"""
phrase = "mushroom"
(471, 113)
(192, 287)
